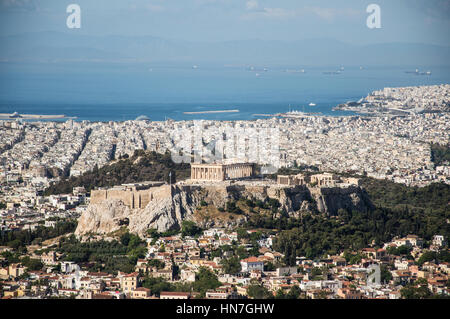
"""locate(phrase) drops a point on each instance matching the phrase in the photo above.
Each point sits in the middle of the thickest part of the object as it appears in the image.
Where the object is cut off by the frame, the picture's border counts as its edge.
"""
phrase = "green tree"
(231, 265)
(241, 252)
(32, 264)
(411, 292)
(258, 291)
(426, 256)
(204, 280)
(386, 275)
(125, 238)
(189, 228)
(156, 285)
(294, 293)
(134, 242)
(153, 233)
(269, 266)
(156, 263)
(280, 294)
(242, 234)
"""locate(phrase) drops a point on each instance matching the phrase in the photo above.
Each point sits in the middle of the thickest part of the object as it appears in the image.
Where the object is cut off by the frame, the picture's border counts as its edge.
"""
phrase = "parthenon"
(221, 172)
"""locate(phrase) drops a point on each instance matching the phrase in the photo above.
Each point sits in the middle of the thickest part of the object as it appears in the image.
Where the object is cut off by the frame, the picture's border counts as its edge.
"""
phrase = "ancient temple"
(221, 172)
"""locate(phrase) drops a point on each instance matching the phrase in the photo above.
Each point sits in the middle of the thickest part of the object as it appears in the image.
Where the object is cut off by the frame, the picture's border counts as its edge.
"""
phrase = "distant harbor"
(402, 101)
(292, 114)
(15, 115)
(212, 112)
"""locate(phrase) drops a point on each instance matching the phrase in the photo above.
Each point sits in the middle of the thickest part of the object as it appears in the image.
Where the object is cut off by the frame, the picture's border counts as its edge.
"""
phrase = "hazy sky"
(425, 21)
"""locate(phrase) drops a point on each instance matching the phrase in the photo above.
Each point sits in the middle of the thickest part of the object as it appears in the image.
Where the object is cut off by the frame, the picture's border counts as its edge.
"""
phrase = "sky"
(418, 21)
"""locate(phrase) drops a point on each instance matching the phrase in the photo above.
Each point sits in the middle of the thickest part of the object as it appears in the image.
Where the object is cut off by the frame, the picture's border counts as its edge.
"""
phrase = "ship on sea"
(295, 71)
(417, 72)
(255, 69)
(312, 104)
(332, 72)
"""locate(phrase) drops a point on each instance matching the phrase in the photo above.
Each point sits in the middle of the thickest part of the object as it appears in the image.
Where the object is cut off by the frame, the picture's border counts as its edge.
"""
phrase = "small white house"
(252, 263)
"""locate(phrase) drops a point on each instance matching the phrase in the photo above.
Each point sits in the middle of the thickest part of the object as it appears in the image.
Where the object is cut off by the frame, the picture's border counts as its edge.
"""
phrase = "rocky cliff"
(330, 200)
(177, 203)
(162, 213)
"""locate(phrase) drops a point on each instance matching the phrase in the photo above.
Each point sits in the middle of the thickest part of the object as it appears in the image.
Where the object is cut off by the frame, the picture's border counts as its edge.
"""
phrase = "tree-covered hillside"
(142, 166)
(399, 211)
(385, 193)
(440, 154)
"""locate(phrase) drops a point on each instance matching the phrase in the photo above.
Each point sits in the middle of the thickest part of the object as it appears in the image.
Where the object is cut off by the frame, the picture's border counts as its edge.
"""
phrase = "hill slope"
(142, 166)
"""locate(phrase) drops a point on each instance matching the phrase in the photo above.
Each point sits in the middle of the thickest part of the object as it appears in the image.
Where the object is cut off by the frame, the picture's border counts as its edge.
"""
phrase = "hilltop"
(142, 166)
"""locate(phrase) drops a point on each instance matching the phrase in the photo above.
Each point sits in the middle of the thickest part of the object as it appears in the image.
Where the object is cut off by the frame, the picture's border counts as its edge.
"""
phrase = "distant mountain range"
(65, 47)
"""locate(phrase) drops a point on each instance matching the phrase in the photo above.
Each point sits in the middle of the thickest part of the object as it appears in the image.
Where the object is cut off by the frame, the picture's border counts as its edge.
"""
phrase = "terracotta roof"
(98, 274)
(133, 274)
(168, 238)
(251, 260)
(174, 293)
(102, 296)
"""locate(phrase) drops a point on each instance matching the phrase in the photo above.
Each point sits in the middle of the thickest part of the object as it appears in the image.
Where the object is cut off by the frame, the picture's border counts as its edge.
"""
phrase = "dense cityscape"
(404, 100)
(82, 244)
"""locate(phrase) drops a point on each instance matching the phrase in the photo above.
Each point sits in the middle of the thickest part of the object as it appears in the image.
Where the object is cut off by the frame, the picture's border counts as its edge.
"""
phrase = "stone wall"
(131, 198)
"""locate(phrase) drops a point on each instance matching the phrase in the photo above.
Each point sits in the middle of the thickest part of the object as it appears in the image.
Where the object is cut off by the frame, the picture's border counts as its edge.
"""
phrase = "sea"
(127, 91)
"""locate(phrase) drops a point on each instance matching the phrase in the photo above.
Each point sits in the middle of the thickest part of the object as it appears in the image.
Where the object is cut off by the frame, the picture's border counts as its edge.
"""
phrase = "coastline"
(13, 116)
(384, 102)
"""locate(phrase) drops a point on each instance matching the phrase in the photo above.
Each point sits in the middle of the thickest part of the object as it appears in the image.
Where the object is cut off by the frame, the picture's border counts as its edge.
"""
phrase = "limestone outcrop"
(330, 200)
(170, 205)
(162, 213)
